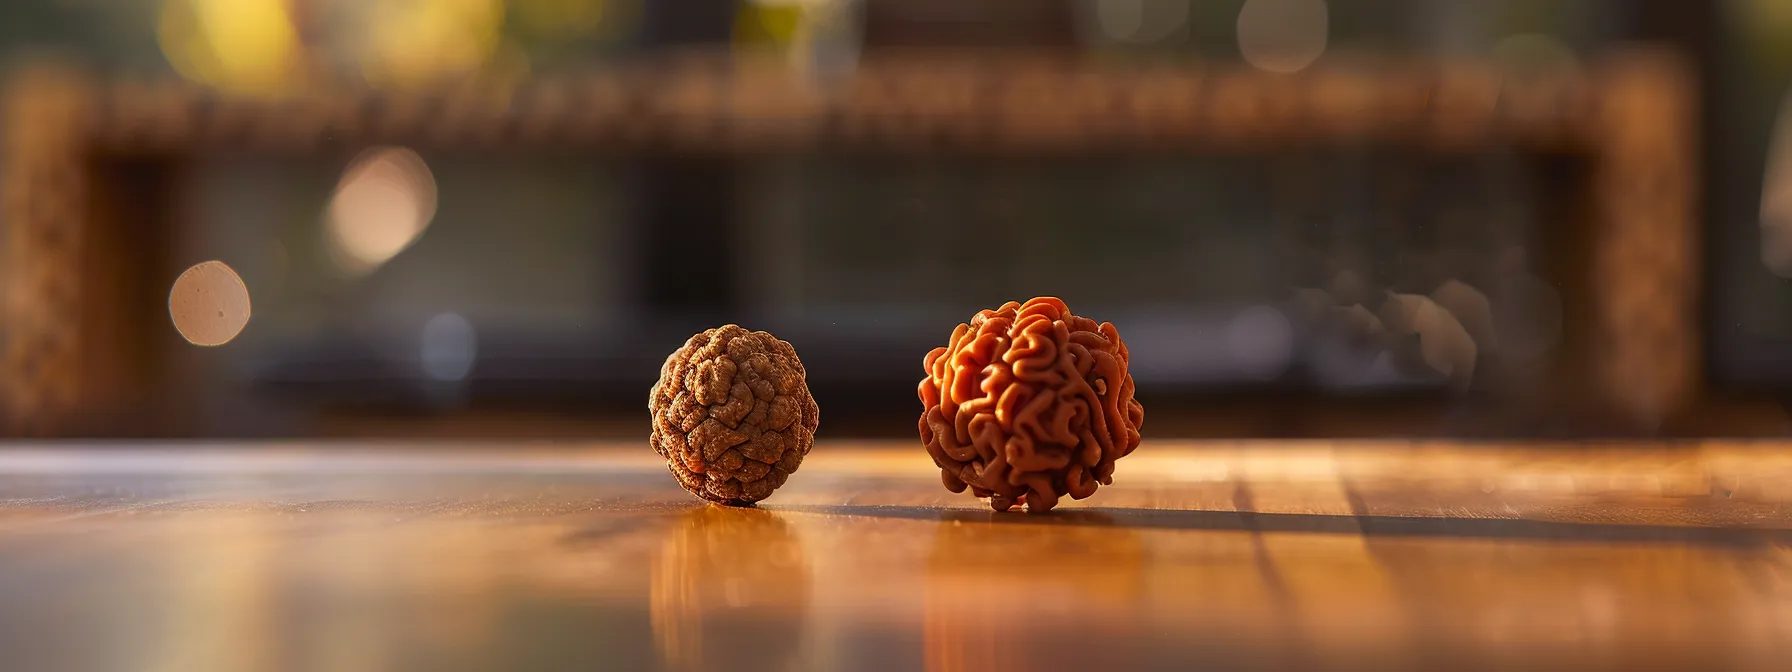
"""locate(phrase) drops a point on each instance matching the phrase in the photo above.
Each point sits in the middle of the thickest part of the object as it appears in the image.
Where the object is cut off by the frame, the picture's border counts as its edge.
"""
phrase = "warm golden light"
(725, 574)
(1282, 35)
(978, 575)
(1763, 17)
(246, 46)
(415, 42)
(209, 304)
(770, 22)
(385, 200)
(810, 35)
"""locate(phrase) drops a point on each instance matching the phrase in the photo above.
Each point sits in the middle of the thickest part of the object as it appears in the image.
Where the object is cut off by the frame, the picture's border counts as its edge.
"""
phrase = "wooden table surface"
(1202, 556)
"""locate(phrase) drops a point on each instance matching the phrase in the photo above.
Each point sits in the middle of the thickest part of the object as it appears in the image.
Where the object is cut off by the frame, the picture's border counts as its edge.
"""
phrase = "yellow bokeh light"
(1770, 15)
(782, 23)
(416, 42)
(560, 18)
(247, 46)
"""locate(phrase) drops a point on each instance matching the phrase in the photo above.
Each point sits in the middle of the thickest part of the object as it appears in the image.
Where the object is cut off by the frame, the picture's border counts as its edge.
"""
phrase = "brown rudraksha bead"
(732, 414)
(1029, 403)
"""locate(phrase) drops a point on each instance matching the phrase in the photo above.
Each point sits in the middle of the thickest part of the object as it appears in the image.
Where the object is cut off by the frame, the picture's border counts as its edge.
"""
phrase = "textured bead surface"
(732, 414)
(1029, 403)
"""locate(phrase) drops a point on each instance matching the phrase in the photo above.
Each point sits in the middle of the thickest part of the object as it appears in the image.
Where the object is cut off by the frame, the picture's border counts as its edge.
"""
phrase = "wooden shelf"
(1630, 115)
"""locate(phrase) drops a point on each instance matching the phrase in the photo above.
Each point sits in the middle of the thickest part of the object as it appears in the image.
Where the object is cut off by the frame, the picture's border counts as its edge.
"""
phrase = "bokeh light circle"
(209, 304)
(1260, 340)
(385, 200)
(450, 347)
(1282, 35)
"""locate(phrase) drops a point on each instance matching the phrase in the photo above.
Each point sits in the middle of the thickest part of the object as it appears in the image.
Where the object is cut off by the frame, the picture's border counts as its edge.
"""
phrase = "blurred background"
(1345, 288)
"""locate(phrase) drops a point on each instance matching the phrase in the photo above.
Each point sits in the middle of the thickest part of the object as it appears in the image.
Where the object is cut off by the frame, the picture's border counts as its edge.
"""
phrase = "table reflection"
(1003, 595)
(728, 582)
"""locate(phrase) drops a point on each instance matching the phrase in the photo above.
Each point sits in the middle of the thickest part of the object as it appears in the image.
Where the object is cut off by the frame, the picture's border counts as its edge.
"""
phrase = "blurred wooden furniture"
(1247, 555)
(80, 274)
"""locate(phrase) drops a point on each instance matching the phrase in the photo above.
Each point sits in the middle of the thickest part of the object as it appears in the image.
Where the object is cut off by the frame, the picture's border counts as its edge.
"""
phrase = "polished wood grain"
(1310, 555)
